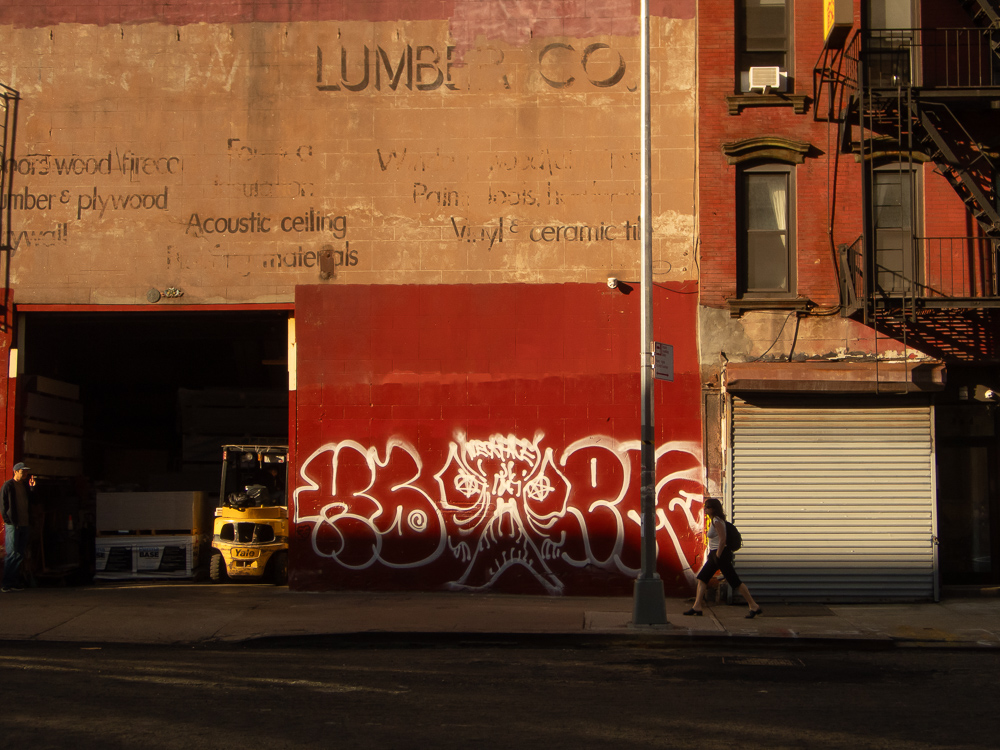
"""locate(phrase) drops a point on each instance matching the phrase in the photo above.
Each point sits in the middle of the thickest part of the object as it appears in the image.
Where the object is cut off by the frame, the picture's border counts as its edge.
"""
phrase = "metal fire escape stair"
(983, 13)
(972, 174)
(907, 118)
(985, 16)
(933, 128)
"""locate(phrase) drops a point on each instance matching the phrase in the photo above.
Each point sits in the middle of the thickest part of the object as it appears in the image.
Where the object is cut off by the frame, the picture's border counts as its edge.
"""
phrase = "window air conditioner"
(765, 78)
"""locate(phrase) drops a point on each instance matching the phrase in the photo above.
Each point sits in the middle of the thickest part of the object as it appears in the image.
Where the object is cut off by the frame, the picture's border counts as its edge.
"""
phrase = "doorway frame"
(14, 439)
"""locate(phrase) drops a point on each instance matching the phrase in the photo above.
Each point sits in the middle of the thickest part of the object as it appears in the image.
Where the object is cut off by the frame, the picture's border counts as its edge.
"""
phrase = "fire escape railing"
(906, 91)
(938, 58)
(959, 272)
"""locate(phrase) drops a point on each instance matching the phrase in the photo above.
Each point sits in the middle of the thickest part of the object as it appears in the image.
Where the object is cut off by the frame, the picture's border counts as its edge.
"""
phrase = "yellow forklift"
(250, 532)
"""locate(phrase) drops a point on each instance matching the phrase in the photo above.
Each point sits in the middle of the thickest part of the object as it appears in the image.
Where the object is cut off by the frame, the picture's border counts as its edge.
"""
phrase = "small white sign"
(663, 361)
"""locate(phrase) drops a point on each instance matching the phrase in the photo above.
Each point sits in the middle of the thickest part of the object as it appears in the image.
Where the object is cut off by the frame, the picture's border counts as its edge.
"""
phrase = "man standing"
(15, 507)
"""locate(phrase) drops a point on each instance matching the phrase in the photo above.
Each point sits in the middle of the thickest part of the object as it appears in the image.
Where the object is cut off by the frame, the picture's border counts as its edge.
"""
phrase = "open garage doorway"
(160, 392)
(133, 408)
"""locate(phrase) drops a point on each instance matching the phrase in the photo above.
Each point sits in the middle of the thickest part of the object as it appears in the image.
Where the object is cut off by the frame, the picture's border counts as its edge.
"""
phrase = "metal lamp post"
(649, 605)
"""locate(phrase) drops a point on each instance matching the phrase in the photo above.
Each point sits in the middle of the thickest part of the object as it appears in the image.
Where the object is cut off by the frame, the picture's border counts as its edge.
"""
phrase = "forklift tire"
(217, 568)
(277, 566)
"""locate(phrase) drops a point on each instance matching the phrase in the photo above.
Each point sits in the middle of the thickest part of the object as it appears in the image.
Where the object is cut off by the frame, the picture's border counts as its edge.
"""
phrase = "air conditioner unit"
(765, 78)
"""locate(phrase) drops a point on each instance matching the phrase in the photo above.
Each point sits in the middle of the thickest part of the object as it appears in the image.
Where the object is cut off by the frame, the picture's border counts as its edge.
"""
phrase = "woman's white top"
(713, 533)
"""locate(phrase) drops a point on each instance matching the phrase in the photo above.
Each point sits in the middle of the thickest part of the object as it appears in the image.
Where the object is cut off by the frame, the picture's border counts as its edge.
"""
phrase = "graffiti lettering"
(500, 504)
(366, 506)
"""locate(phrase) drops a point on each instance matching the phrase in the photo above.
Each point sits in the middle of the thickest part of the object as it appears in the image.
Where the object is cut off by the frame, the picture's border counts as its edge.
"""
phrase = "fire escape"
(902, 98)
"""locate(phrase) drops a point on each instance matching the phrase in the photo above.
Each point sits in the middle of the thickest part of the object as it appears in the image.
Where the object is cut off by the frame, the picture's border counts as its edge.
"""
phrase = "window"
(890, 14)
(890, 48)
(763, 38)
(896, 262)
(766, 263)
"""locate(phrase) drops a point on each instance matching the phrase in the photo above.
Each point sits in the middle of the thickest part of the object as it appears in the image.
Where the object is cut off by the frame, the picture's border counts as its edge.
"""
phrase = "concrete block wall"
(440, 191)
(477, 437)
(235, 150)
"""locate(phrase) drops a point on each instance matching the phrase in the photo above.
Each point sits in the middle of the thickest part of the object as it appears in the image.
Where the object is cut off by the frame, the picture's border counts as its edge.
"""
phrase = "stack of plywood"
(53, 428)
(214, 417)
(150, 534)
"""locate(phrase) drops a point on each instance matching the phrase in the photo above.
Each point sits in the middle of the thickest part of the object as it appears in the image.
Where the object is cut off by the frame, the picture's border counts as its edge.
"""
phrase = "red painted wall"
(485, 437)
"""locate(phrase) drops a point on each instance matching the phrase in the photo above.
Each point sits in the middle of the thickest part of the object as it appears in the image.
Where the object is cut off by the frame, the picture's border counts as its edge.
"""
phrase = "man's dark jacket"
(8, 501)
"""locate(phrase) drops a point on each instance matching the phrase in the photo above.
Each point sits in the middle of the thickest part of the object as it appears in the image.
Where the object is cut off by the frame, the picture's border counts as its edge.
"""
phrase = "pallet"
(132, 557)
(121, 533)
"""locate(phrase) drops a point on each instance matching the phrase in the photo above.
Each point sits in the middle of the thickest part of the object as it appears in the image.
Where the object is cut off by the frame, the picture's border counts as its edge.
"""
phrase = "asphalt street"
(423, 694)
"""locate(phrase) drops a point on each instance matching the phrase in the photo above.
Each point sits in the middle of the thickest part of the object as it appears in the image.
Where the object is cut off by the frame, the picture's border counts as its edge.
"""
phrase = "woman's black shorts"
(725, 564)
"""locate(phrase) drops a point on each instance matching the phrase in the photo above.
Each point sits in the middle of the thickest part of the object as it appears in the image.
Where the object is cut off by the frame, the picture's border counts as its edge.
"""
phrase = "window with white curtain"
(767, 252)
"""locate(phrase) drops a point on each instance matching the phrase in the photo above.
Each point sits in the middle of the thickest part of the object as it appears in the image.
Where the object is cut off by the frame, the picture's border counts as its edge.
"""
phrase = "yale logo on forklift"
(242, 552)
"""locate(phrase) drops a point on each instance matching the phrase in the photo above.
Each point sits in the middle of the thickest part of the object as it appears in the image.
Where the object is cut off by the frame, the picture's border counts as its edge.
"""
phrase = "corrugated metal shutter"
(834, 499)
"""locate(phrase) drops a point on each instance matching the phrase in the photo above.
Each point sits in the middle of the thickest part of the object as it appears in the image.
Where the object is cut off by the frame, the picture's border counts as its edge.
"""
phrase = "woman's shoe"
(753, 613)
(692, 613)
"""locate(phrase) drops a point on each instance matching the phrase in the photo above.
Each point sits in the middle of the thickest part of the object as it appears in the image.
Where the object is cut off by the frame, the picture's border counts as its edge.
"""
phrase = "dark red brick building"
(848, 243)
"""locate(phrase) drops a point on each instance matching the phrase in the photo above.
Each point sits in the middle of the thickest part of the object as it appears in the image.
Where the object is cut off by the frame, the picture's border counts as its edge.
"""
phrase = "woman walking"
(720, 557)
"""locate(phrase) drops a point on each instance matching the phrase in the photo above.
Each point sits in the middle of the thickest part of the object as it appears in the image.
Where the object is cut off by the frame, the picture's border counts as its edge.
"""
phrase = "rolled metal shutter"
(834, 498)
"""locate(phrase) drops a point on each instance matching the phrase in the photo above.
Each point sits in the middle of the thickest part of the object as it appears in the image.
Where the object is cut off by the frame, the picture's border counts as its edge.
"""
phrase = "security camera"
(612, 282)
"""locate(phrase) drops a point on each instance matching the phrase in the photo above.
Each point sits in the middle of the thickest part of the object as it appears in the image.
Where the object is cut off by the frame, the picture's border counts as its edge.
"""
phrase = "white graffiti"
(509, 495)
(502, 503)
(335, 518)
(612, 505)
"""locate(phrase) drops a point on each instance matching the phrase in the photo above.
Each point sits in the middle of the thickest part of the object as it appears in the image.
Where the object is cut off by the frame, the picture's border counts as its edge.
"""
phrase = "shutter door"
(834, 498)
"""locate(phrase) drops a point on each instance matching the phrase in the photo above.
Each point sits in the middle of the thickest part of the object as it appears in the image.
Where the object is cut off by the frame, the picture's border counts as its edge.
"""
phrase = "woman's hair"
(715, 505)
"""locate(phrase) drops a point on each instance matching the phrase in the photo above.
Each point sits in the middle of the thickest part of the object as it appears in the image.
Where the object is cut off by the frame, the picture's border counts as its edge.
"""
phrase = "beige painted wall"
(136, 143)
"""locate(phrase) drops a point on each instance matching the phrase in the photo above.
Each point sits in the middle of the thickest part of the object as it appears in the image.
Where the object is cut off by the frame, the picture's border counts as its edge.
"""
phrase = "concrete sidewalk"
(190, 613)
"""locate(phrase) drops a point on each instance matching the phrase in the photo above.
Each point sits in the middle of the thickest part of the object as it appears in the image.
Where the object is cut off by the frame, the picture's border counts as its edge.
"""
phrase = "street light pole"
(648, 604)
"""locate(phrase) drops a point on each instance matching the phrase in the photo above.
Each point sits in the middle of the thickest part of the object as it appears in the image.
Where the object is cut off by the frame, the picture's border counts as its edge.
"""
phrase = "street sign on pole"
(663, 361)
